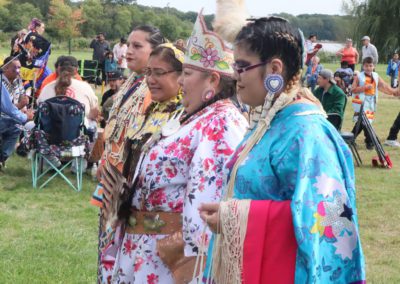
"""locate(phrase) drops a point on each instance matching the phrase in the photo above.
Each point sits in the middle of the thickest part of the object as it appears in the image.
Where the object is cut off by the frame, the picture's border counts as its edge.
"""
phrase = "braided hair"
(155, 36)
(274, 37)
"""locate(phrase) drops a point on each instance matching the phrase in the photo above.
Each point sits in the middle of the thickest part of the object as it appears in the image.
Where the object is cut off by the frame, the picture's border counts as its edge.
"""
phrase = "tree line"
(379, 19)
(72, 19)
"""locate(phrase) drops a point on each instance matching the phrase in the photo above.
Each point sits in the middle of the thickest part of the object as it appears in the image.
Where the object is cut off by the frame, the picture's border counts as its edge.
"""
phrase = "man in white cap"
(369, 50)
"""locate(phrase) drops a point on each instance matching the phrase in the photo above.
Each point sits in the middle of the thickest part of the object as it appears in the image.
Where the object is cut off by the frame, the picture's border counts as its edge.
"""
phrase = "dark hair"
(35, 23)
(311, 36)
(66, 60)
(109, 52)
(155, 37)
(368, 60)
(167, 54)
(228, 90)
(8, 59)
(344, 64)
(274, 37)
(64, 79)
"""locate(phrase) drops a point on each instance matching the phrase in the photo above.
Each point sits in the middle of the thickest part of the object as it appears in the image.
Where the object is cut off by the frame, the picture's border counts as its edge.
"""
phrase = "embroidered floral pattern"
(209, 57)
(177, 174)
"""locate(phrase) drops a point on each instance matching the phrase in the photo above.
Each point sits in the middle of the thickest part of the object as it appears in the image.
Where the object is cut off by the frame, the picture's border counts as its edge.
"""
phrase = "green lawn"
(50, 236)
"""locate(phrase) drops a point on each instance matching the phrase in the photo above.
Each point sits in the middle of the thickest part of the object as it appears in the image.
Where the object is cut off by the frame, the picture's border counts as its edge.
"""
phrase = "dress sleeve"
(317, 170)
(217, 139)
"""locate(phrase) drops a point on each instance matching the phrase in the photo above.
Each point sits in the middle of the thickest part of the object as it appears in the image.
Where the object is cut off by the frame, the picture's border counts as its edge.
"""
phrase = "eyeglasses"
(241, 70)
(156, 73)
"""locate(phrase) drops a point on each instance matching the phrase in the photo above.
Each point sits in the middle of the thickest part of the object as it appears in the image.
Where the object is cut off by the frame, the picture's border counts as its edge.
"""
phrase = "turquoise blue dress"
(302, 158)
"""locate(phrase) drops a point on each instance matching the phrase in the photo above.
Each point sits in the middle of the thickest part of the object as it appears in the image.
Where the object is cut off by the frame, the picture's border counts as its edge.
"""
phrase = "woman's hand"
(209, 212)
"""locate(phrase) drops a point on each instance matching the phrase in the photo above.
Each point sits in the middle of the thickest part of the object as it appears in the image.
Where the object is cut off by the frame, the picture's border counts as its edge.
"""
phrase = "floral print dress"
(178, 174)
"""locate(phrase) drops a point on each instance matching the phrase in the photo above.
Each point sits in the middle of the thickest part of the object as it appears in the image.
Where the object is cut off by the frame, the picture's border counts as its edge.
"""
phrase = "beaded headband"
(179, 55)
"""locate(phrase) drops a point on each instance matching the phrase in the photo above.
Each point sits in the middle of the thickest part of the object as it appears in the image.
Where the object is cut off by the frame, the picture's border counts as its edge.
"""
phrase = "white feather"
(230, 18)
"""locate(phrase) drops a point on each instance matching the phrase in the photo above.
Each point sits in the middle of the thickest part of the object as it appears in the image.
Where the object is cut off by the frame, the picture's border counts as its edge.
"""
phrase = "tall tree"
(379, 19)
(63, 21)
(93, 18)
(25, 12)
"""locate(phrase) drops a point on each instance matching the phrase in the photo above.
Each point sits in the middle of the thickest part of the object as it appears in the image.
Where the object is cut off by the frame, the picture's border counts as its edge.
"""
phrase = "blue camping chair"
(58, 141)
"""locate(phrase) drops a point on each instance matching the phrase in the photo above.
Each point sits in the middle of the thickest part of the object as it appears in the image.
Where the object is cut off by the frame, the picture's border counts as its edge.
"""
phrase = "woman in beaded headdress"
(289, 212)
(181, 168)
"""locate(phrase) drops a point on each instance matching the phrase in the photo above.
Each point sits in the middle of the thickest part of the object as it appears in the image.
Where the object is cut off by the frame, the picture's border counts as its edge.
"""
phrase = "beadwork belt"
(154, 223)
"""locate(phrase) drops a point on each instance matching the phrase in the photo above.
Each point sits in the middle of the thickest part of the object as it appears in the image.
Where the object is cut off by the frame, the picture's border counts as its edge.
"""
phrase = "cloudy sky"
(256, 7)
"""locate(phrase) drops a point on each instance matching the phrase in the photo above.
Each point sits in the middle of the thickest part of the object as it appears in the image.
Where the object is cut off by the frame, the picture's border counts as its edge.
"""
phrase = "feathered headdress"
(230, 18)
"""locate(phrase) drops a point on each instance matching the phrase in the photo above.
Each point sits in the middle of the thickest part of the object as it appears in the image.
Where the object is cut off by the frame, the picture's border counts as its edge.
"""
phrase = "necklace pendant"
(170, 128)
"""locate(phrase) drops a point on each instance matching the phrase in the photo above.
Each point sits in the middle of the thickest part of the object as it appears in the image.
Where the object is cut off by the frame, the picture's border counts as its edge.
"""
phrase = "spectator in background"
(311, 48)
(332, 98)
(110, 65)
(100, 47)
(349, 54)
(119, 51)
(312, 76)
(344, 77)
(61, 61)
(13, 83)
(180, 43)
(369, 50)
(393, 70)
(16, 41)
(115, 79)
(78, 90)
(9, 119)
(365, 91)
(394, 131)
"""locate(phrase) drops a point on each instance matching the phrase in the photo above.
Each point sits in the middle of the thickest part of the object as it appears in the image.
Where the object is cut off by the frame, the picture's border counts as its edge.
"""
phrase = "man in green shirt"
(332, 98)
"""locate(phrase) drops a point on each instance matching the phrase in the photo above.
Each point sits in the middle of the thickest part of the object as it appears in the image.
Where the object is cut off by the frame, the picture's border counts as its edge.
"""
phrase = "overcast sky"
(256, 7)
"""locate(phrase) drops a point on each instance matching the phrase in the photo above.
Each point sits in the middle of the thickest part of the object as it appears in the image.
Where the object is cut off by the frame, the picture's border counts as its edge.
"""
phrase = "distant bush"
(328, 57)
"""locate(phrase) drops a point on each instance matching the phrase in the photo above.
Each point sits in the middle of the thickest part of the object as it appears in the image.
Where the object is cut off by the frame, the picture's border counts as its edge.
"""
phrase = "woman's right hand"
(209, 212)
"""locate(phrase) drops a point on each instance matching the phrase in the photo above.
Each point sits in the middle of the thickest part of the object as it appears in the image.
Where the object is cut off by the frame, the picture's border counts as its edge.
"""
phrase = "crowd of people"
(213, 170)
(362, 86)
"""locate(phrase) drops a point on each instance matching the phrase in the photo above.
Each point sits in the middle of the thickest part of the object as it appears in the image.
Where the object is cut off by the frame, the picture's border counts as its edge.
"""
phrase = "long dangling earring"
(273, 83)
(208, 94)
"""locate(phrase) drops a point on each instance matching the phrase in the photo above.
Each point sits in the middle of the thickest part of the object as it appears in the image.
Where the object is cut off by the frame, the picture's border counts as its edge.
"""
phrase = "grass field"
(50, 236)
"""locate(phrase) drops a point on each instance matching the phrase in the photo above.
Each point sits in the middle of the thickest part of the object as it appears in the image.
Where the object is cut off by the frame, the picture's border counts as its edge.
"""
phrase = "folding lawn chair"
(58, 141)
(88, 70)
(350, 139)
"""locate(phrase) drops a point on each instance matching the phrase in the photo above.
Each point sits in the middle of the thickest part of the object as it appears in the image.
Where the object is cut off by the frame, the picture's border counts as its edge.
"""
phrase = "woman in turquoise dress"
(289, 211)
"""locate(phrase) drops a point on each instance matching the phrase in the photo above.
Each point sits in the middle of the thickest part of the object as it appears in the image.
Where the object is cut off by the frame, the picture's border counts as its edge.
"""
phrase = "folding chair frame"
(352, 142)
(37, 174)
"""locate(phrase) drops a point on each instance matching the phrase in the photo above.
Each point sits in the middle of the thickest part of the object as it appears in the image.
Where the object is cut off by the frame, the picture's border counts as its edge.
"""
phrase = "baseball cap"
(365, 38)
(328, 74)
(115, 75)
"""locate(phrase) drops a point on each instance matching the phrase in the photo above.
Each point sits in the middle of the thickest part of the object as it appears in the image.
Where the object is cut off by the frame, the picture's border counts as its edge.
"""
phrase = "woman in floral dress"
(184, 168)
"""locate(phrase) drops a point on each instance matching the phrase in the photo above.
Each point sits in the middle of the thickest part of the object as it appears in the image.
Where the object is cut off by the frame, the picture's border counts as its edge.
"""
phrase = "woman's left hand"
(209, 212)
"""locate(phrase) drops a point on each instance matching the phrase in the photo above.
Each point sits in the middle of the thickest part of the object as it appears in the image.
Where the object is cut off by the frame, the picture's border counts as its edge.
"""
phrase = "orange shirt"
(349, 55)
(370, 81)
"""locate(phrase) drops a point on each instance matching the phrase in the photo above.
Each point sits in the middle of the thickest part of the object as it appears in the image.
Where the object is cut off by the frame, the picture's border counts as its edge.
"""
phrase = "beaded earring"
(273, 83)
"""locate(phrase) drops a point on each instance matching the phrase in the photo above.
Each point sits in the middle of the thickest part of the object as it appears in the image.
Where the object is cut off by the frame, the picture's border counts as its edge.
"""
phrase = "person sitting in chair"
(332, 98)
(67, 85)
